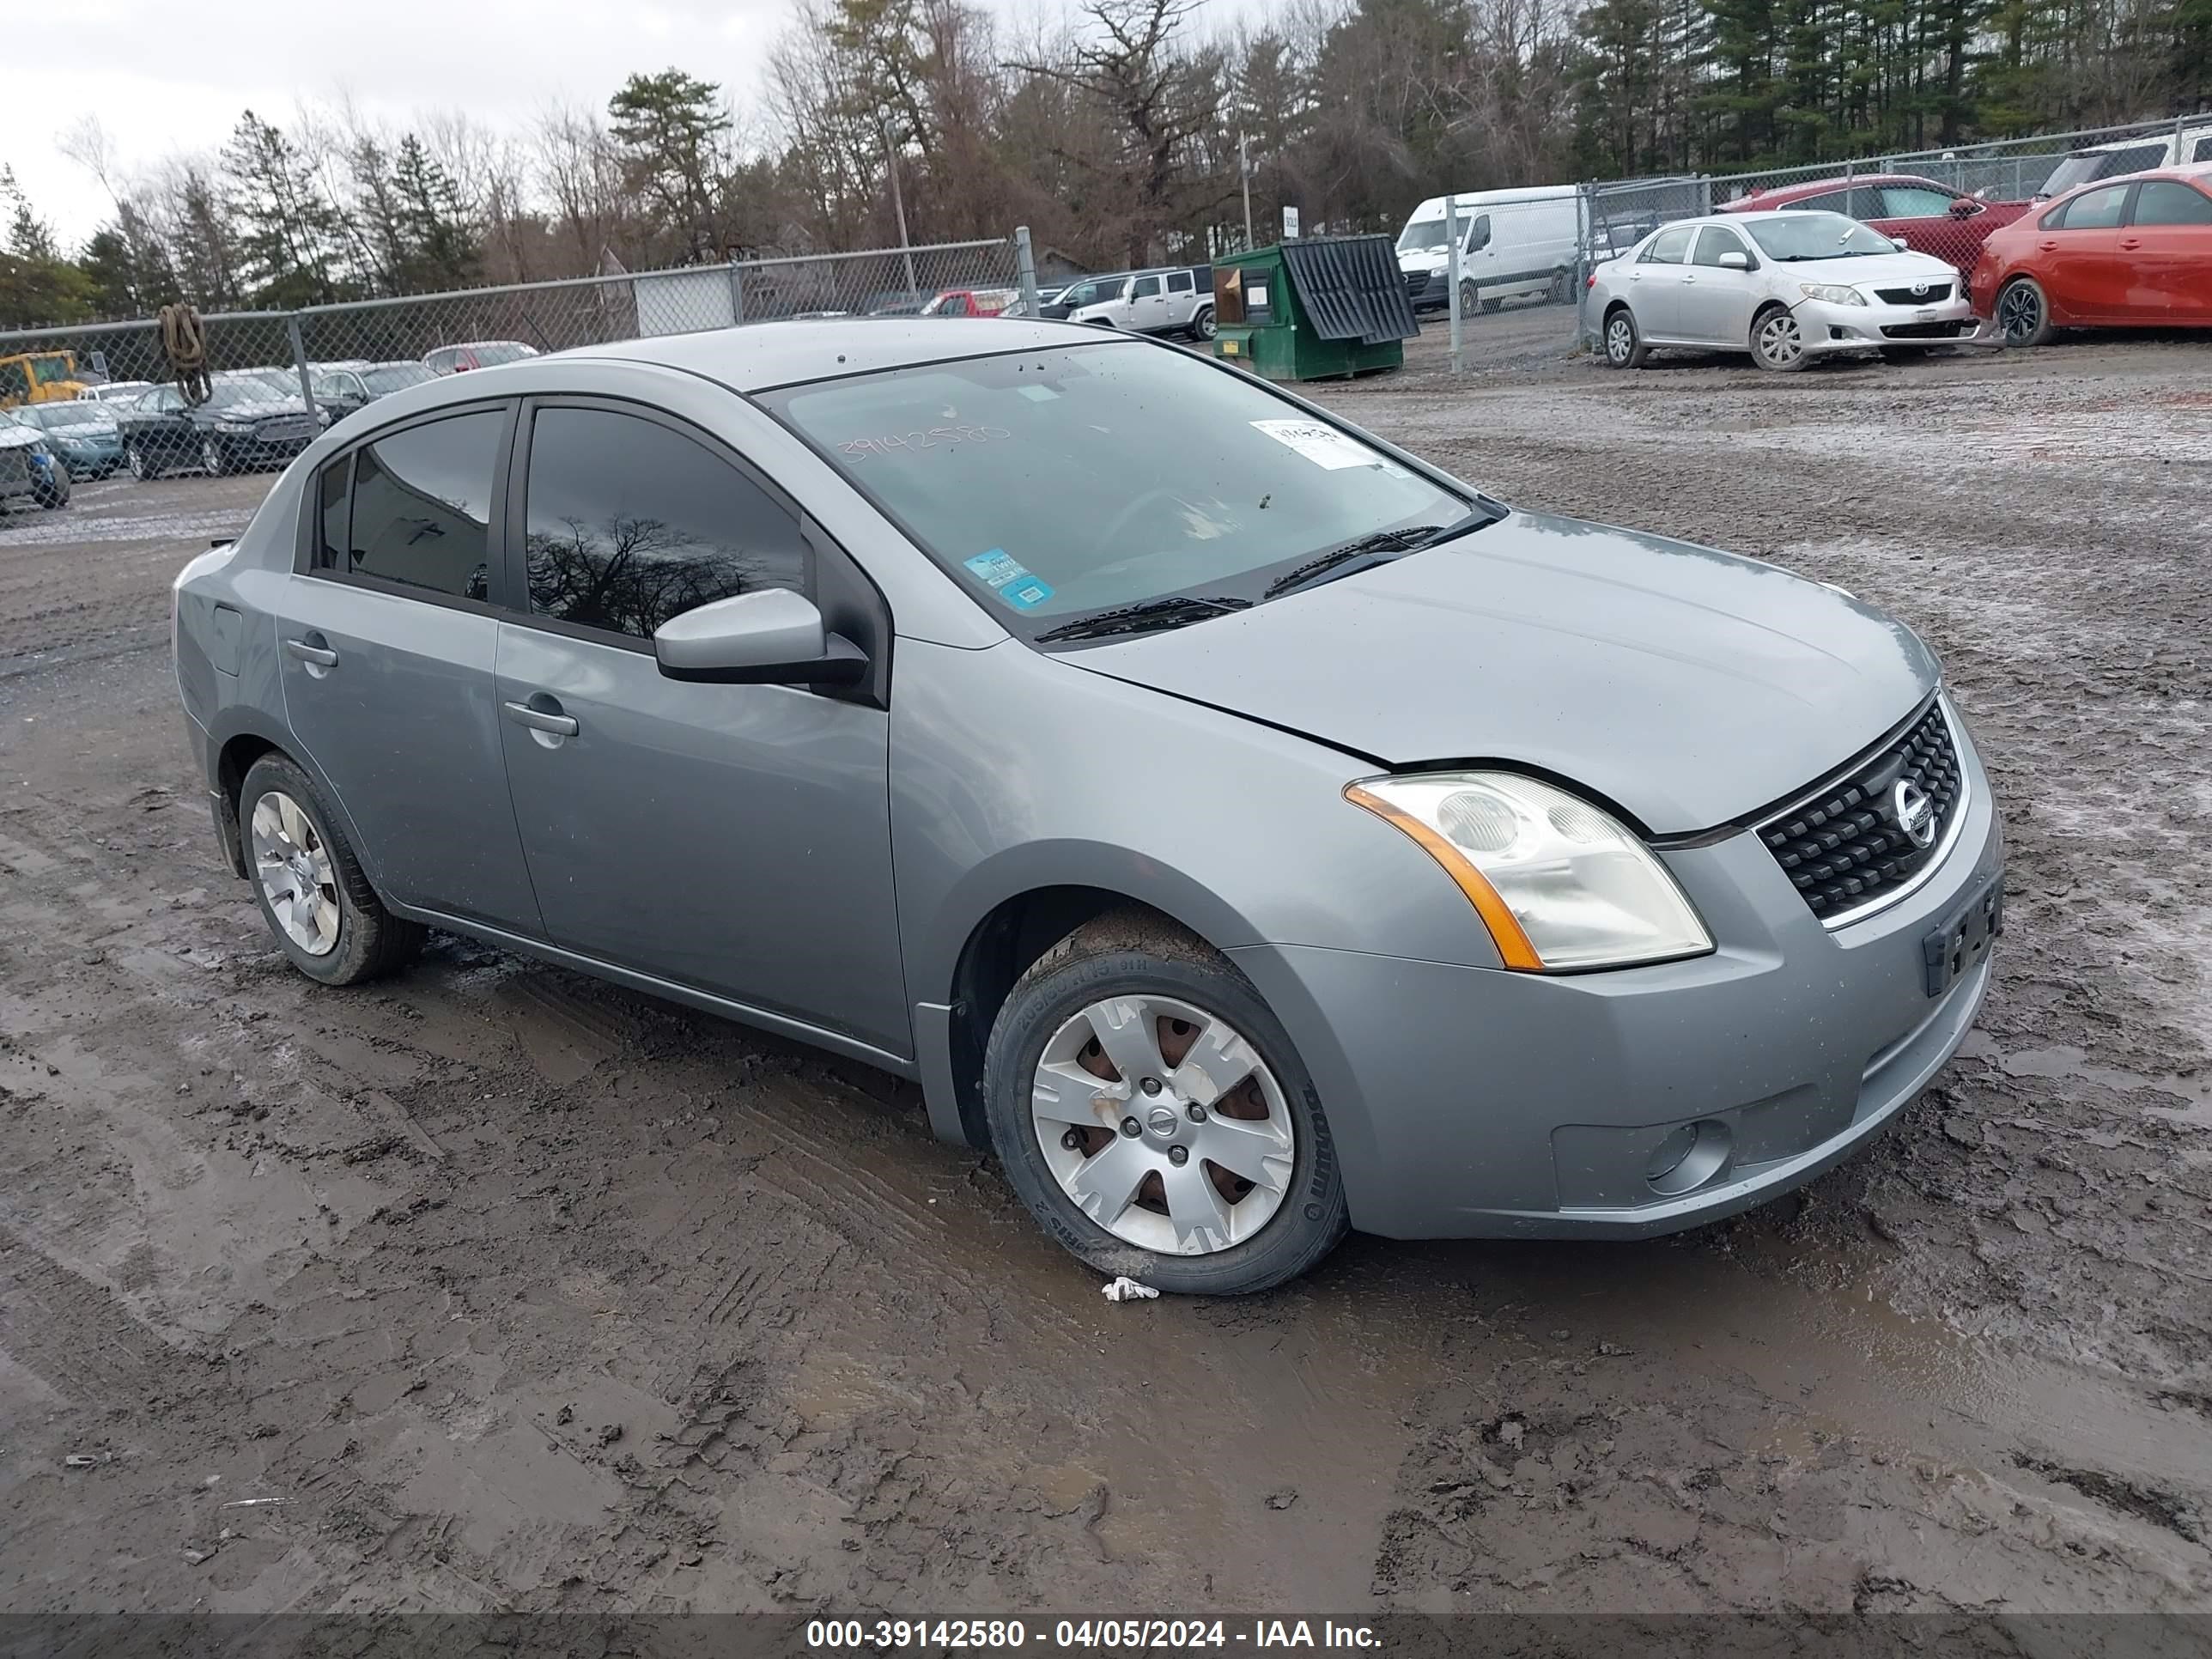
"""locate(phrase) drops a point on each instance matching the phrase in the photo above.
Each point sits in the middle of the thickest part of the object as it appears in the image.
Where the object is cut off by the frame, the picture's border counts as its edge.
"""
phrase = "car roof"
(1820, 187)
(756, 357)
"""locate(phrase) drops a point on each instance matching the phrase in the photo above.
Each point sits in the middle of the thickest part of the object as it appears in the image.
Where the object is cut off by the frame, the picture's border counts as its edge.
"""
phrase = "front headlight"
(1832, 293)
(1559, 883)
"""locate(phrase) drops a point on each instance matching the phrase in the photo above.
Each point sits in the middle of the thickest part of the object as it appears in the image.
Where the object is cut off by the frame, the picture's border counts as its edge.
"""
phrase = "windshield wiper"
(1385, 544)
(1144, 617)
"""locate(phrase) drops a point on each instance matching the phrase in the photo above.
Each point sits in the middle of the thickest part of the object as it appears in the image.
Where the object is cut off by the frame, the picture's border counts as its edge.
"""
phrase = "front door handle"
(2132, 241)
(540, 719)
(320, 655)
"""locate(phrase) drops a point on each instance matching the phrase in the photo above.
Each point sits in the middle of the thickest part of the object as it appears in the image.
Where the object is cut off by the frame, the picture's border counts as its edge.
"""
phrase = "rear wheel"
(1777, 342)
(320, 906)
(1624, 345)
(1563, 287)
(1152, 1114)
(2023, 313)
(1201, 326)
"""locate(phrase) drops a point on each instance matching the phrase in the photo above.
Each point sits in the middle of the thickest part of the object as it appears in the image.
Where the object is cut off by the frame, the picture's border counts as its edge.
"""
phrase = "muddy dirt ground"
(493, 1286)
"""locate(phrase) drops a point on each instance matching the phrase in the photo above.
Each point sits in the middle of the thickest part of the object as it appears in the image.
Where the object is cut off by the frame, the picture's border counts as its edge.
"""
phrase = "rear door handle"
(538, 720)
(321, 656)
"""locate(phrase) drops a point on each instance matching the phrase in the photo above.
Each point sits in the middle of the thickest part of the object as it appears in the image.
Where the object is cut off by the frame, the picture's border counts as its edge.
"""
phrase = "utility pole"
(1244, 168)
(898, 207)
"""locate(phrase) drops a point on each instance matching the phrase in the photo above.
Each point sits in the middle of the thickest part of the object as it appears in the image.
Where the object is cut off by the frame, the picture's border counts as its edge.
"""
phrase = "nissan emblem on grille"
(1915, 811)
(1876, 826)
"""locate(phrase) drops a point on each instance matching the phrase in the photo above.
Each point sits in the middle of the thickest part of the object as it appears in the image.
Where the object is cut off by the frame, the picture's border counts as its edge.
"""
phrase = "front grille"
(284, 431)
(1938, 292)
(1417, 283)
(1928, 330)
(1843, 849)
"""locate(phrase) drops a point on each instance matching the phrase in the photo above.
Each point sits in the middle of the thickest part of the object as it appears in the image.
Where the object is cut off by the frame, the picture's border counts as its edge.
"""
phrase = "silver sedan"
(1786, 287)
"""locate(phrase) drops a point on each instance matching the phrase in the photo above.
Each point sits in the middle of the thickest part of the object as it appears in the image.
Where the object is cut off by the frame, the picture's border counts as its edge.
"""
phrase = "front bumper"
(1826, 327)
(1467, 1102)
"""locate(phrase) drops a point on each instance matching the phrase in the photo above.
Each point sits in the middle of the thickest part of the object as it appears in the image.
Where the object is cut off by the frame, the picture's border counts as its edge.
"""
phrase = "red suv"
(1923, 214)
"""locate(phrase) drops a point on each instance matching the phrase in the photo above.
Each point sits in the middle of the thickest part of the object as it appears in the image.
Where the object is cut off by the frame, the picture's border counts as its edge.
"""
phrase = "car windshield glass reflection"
(1817, 236)
(1071, 481)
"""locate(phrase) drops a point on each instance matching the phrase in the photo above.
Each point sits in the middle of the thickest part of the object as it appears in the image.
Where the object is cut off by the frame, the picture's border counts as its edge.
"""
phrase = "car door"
(1182, 299)
(386, 635)
(733, 839)
(1716, 302)
(2078, 256)
(162, 432)
(2166, 251)
(1932, 220)
(1148, 304)
(1655, 283)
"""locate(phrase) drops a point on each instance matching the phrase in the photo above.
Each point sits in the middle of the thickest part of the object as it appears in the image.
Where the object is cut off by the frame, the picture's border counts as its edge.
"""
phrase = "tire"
(1201, 325)
(1621, 342)
(1776, 344)
(1563, 287)
(54, 495)
(1135, 963)
(213, 460)
(1470, 297)
(142, 466)
(2022, 313)
(344, 935)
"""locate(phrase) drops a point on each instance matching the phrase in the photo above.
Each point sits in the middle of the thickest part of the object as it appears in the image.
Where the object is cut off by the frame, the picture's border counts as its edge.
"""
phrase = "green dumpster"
(1323, 308)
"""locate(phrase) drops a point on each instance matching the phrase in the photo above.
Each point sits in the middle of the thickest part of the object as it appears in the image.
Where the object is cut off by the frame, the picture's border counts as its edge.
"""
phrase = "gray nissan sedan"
(1240, 826)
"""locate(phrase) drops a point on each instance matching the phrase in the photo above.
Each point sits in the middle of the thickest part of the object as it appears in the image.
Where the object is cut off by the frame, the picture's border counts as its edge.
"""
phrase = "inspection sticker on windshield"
(1324, 447)
(1008, 579)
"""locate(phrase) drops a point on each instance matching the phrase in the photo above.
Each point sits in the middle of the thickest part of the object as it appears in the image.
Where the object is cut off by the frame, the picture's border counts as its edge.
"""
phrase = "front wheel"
(54, 490)
(142, 464)
(2023, 313)
(1470, 297)
(310, 887)
(1777, 342)
(212, 461)
(1150, 1111)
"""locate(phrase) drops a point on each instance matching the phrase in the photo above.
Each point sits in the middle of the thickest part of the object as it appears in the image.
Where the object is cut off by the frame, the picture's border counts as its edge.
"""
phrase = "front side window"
(1834, 201)
(2167, 202)
(1053, 484)
(2093, 210)
(421, 506)
(1816, 236)
(1915, 202)
(1669, 247)
(1477, 235)
(629, 523)
(1713, 241)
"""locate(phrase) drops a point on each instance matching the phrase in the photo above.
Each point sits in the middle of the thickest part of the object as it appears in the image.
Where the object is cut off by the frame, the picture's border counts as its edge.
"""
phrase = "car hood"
(258, 408)
(1687, 687)
(1869, 269)
(19, 437)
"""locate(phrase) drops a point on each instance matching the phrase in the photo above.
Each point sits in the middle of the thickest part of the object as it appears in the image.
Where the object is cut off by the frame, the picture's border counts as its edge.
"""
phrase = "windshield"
(2086, 166)
(1817, 236)
(499, 351)
(397, 377)
(53, 417)
(53, 368)
(1061, 483)
(1422, 233)
(230, 394)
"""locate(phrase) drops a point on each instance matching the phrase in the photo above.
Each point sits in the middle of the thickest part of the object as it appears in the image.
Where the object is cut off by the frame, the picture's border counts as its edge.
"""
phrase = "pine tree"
(290, 235)
(435, 230)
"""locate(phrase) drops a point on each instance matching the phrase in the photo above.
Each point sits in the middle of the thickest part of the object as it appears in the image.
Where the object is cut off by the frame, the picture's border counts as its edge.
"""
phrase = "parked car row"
(1794, 280)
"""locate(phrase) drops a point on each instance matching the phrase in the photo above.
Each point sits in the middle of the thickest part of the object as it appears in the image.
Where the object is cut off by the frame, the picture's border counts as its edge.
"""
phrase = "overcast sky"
(163, 80)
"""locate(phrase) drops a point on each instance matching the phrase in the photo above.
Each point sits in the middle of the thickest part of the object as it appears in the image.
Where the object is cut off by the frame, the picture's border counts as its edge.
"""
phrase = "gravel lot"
(521, 1291)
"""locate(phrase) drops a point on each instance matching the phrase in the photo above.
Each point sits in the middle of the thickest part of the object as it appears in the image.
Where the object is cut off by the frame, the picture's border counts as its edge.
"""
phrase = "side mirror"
(1964, 209)
(1900, 244)
(1733, 260)
(771, 636)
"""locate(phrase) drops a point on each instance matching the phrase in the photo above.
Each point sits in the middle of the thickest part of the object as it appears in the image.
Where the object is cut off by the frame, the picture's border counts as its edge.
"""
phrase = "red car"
(1923, 214)
(2121, 253)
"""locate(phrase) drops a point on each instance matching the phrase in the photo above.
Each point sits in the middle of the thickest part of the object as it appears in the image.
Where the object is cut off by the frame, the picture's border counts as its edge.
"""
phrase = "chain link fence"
(290, 372)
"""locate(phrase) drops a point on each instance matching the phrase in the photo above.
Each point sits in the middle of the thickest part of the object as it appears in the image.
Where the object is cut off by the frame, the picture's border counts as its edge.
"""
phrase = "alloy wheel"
(211, 457)
(2019, 312)
(296, 875)
(1162, 1125)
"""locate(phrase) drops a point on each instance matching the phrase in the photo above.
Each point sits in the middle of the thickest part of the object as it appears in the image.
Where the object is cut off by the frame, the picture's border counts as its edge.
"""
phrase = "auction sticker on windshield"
(1324, 446)
(1008, 579)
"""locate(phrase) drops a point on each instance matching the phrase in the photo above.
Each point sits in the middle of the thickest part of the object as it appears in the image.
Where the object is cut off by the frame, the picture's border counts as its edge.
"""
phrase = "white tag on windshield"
(1324, 446)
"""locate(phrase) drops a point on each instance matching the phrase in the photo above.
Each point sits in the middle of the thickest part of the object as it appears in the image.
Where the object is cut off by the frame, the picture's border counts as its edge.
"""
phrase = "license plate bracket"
(1958, 945)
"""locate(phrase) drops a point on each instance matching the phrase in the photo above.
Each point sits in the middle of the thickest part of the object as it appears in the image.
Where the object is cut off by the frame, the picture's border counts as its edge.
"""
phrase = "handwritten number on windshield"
(935, 438)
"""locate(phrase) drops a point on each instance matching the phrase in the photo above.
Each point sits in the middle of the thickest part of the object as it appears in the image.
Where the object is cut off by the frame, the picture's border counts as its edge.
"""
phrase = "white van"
(2152, 149)
(1519, 244)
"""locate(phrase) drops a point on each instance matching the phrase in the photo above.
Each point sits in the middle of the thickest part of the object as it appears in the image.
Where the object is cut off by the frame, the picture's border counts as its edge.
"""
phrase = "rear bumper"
(1468, 1102)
